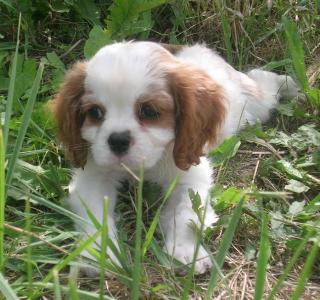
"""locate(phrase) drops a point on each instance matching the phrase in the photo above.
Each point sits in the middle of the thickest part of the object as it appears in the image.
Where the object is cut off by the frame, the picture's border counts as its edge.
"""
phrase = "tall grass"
(136, 275)
(11, 89)
(264, 252)
(26, 117)
(224, 246)
(2, 201)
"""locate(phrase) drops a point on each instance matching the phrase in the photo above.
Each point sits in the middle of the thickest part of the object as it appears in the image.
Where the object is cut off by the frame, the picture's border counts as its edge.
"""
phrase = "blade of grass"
(24, 123)
(11, 89)
(83, 295)
(2, 200)
(136, 274)
(290, 265)
(296, 51)
(120, 255)
(48, 204)
(188, 283)
(29, 248)
(56, 286)
(6, 290)
(73, 290)
(264, 252)
(65, 261)
(305, 273)
(104, 238)
(226, 30)
(225, 245)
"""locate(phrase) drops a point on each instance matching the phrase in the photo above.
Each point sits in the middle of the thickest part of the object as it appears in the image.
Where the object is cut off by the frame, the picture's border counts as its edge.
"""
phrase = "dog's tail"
(272, 87)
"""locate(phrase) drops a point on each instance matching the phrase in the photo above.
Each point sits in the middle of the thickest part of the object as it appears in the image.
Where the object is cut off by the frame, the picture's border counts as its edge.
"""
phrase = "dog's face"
(131, 101)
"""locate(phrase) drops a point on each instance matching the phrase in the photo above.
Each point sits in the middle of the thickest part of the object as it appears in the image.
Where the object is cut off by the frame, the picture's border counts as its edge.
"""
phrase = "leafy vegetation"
(267, 240)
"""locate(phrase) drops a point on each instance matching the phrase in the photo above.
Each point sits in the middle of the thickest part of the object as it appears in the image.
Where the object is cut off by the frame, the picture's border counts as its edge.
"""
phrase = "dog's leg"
(177, 218)
(90, 195)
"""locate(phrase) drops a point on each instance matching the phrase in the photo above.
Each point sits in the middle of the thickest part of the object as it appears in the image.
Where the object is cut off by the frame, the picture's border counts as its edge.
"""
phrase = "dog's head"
(131, 101)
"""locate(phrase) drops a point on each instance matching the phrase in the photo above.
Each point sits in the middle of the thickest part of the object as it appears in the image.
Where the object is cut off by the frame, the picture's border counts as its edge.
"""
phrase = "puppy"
(137, 102)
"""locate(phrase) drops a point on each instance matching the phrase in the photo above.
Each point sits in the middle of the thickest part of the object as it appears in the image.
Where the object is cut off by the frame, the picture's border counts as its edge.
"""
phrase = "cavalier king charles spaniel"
(163, 106)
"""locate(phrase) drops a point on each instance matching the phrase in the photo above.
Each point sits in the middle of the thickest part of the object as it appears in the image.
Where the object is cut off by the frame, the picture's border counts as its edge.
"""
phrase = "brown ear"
(200, 111)
(67, 111)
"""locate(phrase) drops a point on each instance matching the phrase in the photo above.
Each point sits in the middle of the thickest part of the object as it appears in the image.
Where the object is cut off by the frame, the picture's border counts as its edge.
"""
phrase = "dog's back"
(250, 96)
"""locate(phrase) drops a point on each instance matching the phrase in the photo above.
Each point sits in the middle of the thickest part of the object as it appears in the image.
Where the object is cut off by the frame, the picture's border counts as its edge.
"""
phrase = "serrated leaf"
(225, 151)
(277, 225)
(296, 208)
(89, 11)
(288, 168)
(310, 134)
(129, 17)
(296, 186)
(97, 39)
(229, 197)
(196, 204)
(281, 139)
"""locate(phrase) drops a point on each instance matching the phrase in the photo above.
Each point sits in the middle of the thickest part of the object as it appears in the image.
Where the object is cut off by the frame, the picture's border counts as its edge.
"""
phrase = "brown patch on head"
(68, 113)
(200, 111)
(156, 109)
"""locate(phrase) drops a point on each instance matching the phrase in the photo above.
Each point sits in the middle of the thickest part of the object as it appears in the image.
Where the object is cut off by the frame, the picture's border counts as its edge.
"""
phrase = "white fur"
(116, 76)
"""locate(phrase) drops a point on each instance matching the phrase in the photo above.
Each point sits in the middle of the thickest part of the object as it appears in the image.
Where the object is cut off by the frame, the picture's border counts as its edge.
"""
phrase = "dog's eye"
(148, 112)
(95, 113)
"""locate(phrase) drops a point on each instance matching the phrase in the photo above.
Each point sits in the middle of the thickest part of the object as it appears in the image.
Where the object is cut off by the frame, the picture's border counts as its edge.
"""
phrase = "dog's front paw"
(184, 252)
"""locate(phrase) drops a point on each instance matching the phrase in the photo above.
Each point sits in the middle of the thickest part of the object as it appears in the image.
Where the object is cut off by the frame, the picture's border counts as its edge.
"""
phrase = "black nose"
(119, 142)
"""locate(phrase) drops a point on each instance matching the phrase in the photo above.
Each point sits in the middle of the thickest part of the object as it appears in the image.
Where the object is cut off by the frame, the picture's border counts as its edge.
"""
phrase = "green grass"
(266, 243)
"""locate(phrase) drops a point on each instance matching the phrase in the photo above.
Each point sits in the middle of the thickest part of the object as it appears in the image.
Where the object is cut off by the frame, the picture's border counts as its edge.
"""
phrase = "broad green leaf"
(296, 186)
(88, 10)
(296, 208)
(229, 197)
(55, 61)
(288, 168)
(97, 39)
(307, 134)
(225, 151)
